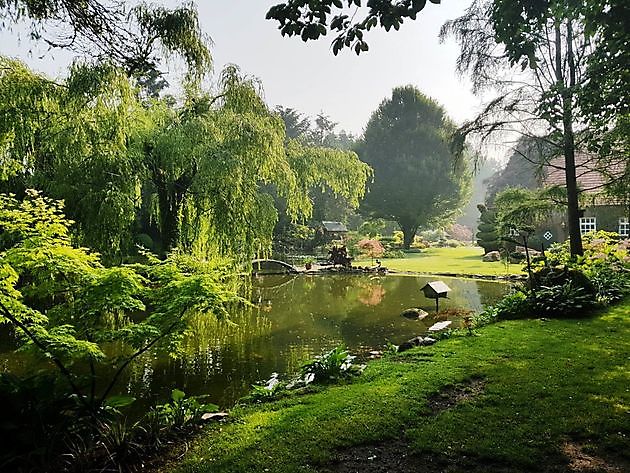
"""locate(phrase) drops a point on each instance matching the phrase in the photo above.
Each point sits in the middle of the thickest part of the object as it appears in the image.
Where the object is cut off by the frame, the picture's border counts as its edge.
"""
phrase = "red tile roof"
(590, 180)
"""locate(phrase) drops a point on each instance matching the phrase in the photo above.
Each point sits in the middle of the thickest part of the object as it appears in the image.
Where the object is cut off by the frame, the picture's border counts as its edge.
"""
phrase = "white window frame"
(624, 227)
(588, 224)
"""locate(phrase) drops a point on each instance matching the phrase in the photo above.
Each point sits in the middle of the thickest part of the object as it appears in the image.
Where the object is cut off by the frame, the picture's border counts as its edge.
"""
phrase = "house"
(333, 230)
(599, 212)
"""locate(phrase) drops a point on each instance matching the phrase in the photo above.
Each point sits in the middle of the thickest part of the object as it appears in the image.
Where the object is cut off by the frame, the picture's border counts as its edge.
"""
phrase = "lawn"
(526, 395)
(462, 260)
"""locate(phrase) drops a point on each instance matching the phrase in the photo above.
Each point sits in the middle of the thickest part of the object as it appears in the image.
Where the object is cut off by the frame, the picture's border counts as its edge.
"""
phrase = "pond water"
(295, 318)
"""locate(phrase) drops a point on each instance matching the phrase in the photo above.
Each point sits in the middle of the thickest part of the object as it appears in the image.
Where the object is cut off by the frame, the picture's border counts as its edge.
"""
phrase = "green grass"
(462, 260)
(546, 381)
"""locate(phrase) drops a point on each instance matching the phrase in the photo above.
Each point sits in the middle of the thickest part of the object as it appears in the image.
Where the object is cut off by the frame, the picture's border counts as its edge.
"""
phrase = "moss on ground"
(545, 383)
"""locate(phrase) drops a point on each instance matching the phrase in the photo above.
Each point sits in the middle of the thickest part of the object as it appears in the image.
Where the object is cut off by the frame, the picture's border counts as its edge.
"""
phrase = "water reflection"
(295, 318)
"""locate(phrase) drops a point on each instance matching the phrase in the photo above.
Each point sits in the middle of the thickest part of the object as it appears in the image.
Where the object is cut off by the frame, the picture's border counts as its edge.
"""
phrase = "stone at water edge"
(416, 342)
(414, 313)
(439, 326)
(213, 416)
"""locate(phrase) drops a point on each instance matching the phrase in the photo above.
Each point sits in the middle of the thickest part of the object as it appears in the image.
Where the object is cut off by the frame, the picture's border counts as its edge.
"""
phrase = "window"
(624, 227)
(588, 224)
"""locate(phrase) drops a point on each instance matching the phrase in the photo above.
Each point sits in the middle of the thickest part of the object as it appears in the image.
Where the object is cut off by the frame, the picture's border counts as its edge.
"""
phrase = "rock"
(414, 313)
(491, 256)
(213, 416)
(439, 326)
(416, 342)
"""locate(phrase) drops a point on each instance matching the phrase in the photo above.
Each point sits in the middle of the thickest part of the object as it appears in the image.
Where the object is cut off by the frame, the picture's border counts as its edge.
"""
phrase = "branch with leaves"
(349, 19)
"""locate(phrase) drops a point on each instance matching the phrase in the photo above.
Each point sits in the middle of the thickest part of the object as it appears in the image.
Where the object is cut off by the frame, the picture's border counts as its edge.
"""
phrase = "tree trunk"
(169, 212)
(568, 138)
(409, 232)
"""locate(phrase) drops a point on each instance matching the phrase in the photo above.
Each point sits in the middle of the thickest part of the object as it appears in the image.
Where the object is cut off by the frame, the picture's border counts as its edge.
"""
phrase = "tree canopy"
(416, 179)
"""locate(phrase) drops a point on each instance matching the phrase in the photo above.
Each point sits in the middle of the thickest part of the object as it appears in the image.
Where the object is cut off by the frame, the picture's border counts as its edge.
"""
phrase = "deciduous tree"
(417, 182)
(535, 55)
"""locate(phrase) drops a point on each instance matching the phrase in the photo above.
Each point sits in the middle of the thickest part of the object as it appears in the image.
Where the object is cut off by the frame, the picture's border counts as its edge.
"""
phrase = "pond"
(294, 319)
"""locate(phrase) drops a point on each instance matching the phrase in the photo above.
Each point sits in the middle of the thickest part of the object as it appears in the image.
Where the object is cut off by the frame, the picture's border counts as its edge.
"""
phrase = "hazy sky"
(306, 76)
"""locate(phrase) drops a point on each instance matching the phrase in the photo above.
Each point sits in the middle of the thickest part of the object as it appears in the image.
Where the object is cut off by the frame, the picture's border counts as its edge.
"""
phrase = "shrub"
(567, 299)
(267, 390)
(371, 248)
(183, 411)
(514, 305)
(419, 243)
(330, 367)
(610, 286)
(394, 254)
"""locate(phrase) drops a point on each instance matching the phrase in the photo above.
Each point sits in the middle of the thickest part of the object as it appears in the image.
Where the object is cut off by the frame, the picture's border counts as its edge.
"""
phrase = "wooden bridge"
(272, 266)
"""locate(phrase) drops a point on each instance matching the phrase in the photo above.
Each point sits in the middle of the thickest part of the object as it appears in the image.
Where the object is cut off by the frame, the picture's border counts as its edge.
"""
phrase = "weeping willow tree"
(201, 169)
(69, 139)
(210, 164)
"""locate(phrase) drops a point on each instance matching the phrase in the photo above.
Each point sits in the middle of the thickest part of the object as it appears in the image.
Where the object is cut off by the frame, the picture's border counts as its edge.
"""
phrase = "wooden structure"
(333, 230)
(334, 227)
(436, 290)
(272, 266)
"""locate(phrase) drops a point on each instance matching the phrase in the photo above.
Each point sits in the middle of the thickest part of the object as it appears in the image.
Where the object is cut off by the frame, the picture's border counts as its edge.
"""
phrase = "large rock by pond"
(416, 342)
(491, 256)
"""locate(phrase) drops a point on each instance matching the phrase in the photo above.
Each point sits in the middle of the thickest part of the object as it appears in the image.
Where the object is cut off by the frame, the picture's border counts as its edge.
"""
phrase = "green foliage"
(564, 286)
(70, 140)
(183, 411)
(330, 367)
(311, 20)
(62, 303)
(393, 254)
(514, 305)
(535, 55)
(66, 307)
(605, 263)
(564, 300)
(267, 390)
(524, 210)
(488, 235)
(518, 171)
(194, 177)
(416, 182)
(134, 37)
(211, 165)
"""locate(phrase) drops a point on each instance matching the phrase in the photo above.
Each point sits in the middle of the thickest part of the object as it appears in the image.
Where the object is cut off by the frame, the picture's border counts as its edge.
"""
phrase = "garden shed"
(336, 228)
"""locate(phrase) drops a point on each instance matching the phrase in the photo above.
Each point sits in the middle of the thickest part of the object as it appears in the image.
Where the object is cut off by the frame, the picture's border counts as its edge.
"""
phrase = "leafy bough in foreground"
(64, 306)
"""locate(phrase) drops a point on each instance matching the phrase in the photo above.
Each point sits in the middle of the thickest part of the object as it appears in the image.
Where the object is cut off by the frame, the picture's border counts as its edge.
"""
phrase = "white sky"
(306, 76)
